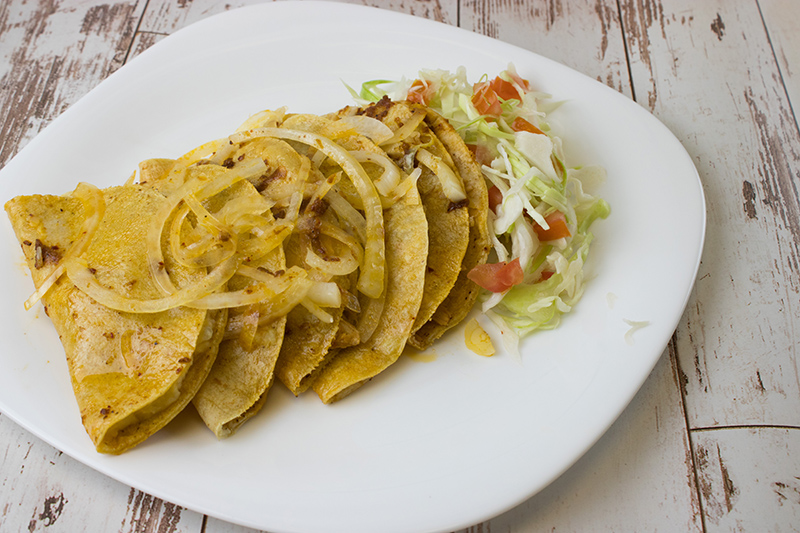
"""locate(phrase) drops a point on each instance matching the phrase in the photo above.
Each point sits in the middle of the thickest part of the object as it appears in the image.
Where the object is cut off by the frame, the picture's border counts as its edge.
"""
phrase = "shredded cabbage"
(527, 168)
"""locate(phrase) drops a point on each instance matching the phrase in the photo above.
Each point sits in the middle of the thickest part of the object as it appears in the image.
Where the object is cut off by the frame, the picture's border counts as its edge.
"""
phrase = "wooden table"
(712, 440)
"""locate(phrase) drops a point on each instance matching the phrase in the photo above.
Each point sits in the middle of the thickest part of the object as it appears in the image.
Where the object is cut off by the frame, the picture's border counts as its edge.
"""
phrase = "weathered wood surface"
(711, 441)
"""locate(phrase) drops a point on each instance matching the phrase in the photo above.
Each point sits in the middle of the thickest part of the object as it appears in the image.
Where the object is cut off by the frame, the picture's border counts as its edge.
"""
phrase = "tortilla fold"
(131, 373)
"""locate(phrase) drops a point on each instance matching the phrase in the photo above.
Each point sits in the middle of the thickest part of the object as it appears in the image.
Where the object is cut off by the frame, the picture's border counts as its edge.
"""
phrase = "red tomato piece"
(505, 90)
(421, 92)
(519, 81)
(558, 227)
(495, 197)
(520, 124)
(546, 274)
(485, 99)
(481, 153)
(497, 277)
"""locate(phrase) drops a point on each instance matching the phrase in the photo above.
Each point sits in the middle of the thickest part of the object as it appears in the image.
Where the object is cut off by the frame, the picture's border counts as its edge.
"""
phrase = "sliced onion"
(202, 189)
(451, 185)
(94, 207)
(264, 119)
(317, 311)
(391, 174)
(266, 289)
(406, 129)
(348, 214)
(325, 294)
(83, 278)
(249, 327)
(402, 188)
(272, 309)
(323, 188)
(372, 128)
(338, 265)
(373, 270)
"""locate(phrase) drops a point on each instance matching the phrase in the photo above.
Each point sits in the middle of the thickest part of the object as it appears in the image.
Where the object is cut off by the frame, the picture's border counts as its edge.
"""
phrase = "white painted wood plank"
(584, 35)
(42, 489)
(51, 54)
(749, 479)
(165, 16)
(707, 71)
(782, 19)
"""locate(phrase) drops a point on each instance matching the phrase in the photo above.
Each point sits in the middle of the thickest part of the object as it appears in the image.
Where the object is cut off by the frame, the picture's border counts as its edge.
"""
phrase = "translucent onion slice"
(406, 129)
(201, 189)
(391, 174)
(204, 250)
(243, 206)
(94, 207)
(215, 151)
(264, 119)
(348, 214)
(325, 294)
(267, 239)
(317, 311)
(82, 277)
(267, 288)
(272, 309)
(372, 128)
(373, 269)
(340, 265)
(402, 188)
(451, 185)
(323, 188)
(249, 327)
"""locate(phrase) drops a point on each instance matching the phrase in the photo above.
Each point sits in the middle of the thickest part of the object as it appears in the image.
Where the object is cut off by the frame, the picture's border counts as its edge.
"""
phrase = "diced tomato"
(488, 94)
(481, 153)
(558, 227)
(520, 124)
(495, 197)
(505, 90)
(546, 274)
(421, 92)
(497, 277)
(519, 81)
(485, 99)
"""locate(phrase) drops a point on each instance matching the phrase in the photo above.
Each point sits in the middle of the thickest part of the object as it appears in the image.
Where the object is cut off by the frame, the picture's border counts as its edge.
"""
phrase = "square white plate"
(426, 446)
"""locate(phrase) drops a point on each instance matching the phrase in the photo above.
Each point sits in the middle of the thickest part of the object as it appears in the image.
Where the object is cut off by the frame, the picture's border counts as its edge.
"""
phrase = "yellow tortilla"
(237, 386)
(461, 298)
(448, 223)
(131, 373)
(406, 248)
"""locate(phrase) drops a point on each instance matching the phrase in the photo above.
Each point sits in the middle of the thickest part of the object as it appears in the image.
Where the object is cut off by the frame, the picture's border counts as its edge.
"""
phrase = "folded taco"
(131, 372)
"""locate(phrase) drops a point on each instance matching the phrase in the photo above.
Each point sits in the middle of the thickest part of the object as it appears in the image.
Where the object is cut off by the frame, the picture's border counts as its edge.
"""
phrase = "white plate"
(425, 446)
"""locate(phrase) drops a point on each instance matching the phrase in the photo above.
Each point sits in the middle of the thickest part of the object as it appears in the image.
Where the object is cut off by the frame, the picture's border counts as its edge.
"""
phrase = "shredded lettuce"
(529, 170)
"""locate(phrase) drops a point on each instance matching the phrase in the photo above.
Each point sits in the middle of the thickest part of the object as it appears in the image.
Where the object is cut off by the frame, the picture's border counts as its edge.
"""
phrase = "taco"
(238, 383)
(406, 249)
(455, 198)
(131, 372)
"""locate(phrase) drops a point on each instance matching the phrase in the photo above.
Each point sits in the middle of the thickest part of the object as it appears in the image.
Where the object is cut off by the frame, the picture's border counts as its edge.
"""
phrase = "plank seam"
(677, 372)
(135, 32)
(778, 64)
(627, 52)
(743, 426)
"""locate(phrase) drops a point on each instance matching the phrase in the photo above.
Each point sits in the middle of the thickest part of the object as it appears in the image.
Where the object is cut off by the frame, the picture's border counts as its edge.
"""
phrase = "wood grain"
(608, 489)
(750, 478)
(584, 35)
(722, 75)
(737, 343)
(783, 27)
(51, 54)
(42, 489)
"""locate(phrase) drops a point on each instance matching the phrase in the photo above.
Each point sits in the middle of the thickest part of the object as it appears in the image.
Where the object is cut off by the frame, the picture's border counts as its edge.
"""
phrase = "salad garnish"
(541, 210)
